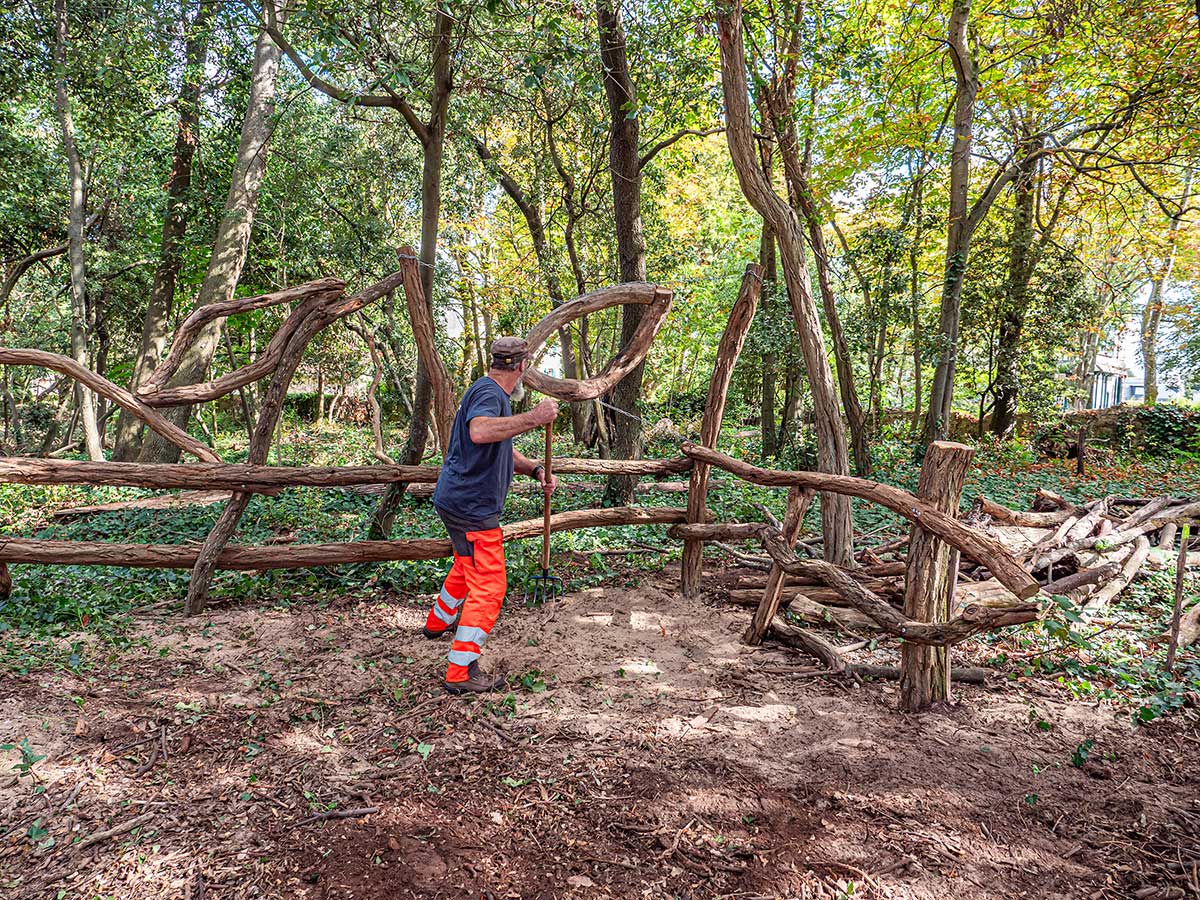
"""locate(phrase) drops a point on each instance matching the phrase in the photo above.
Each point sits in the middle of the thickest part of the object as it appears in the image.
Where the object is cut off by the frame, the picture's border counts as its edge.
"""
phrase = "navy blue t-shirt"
(475, 477)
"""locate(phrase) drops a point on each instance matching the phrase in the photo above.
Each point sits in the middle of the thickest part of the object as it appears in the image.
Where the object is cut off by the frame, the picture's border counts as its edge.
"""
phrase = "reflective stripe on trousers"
(445, 607)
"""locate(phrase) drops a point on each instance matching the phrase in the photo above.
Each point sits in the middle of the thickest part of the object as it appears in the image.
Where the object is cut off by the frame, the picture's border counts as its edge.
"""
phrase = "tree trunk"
(855, 417)
(433, 149)
(1021, 261)
(85, 400)
(233, 233)
(625, 165)
(914, 274)
(930, 578)
(958, 233)
(1153, 311)
(548, 268)
(832, 456)
(1085, 372)
(770, 359)
(156, 324)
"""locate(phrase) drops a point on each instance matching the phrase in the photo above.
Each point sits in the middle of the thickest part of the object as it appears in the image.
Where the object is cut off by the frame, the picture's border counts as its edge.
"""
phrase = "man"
(469, 497)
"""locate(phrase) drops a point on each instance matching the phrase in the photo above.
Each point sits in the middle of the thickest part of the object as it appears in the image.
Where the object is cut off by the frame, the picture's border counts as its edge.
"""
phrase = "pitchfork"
(540, 588)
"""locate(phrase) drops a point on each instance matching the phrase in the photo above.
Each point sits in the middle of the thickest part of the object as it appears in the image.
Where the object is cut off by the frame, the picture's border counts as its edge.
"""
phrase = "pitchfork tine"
(540, 588)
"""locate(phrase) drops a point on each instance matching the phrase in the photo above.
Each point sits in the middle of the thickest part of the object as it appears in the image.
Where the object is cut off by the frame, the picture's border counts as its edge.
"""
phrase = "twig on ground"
(115, 831)
(339, 814)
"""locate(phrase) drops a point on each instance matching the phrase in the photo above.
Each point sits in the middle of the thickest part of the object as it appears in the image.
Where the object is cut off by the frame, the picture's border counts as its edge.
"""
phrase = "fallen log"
(1069, 583)
(299, 556)
(1016, 517)
(812, 644)
(162, 501)
(1129, 568)
(1126, 534)
(1189, 627)
(817, 593)
(819, 648)
(1046, 500)
(972, 543)
(720, 531)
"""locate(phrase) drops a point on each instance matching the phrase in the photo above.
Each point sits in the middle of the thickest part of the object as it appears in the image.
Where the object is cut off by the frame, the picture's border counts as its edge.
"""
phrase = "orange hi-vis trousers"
(478, 584)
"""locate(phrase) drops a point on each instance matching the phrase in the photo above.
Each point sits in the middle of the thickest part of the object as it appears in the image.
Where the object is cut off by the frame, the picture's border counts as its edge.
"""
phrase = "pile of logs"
(951, 577)
(1088, 554)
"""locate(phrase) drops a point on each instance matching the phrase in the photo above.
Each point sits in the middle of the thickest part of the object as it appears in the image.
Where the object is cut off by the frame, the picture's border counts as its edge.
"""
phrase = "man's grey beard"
(518, 391)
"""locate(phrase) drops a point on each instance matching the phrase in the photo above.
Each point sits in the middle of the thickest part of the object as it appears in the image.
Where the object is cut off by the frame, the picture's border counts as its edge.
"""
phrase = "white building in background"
(1120, 376)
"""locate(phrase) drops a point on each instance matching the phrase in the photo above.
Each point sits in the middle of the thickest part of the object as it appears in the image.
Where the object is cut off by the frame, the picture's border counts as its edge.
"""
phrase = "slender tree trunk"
(1085, 372)
(547, 266)
(433, 149)
(625, 165)
(770, 359)
(1153, 311)
(914, 274)
(958, 234)
(1021, 261)
(832, 455)
(156, 324)
(855, 417)
(85, 400)
(233, 233)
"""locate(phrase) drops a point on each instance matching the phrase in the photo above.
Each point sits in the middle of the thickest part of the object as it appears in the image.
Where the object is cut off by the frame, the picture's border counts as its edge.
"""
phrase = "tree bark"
(233, 233)
(855, 418)
(625, 166)
(433, 154)
(930, 579)
(85, 400)
(770, 359)
(831, 440)
(959, 230)
(914, 299)
(432, 136)
(156, 323)
(1021, 262)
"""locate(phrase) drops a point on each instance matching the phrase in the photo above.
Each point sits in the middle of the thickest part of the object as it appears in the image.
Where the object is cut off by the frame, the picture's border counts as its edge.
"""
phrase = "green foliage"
(1169, 428)
(29, 758)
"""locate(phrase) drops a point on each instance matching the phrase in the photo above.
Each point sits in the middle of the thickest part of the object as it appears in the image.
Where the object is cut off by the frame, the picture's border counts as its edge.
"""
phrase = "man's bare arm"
(490, 429)
(523, 465)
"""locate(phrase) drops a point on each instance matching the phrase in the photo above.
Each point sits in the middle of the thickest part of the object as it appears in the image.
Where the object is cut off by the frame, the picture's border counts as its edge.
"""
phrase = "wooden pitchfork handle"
(546, 502)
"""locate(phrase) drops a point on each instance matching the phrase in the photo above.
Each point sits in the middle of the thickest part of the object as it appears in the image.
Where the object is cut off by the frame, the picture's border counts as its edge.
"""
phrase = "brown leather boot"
(478, 682)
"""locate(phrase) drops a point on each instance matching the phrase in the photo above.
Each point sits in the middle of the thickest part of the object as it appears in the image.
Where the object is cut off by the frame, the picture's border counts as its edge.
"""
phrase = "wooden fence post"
(740, 317)
(929, 582)
(799, 499)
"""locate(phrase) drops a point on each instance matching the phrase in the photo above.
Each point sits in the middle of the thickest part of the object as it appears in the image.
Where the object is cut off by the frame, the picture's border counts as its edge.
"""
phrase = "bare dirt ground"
(644, 753)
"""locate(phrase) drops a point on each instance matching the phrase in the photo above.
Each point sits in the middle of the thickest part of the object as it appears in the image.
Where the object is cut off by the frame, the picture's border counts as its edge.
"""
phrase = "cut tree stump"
(929, 583)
